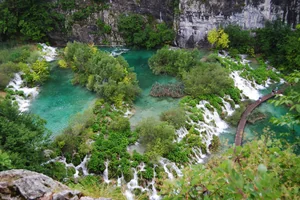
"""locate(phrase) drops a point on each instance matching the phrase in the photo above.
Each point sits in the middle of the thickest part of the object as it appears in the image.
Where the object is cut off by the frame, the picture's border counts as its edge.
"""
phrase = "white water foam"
(181, 133)
(17, 84)
(118, 51)
(165, 163)
(81, 167)
(105, 173)
(48, 53)
(248, 88)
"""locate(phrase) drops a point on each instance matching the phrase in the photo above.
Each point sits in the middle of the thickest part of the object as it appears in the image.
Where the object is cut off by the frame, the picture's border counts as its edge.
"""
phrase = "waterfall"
(118, 51)
(17, 84)
(248, 88)
(134, 184)
(165, 163)
(81, 166)
(105, 173)
(227, 107)
(48, 53)
(160, 17)
(154, 195)
(181, 133)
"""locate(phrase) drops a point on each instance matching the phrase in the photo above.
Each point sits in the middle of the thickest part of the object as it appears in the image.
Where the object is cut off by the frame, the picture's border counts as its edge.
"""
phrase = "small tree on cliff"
(218, 38)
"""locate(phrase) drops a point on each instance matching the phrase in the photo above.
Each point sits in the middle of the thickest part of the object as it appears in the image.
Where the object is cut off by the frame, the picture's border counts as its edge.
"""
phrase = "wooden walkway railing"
(249, 109)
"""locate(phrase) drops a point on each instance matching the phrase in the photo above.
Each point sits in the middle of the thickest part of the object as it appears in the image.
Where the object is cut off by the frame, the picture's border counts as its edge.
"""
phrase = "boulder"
(22, 184)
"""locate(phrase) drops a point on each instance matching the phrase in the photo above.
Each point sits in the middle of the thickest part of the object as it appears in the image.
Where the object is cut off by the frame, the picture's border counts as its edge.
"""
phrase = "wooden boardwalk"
(249, 109)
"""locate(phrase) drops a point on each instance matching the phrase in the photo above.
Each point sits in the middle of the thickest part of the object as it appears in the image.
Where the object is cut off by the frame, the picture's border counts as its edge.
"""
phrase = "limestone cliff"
(192, 21)
(197, 17)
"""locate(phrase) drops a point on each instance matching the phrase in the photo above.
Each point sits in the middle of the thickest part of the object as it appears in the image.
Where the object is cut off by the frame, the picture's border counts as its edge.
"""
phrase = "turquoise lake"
(58, 99)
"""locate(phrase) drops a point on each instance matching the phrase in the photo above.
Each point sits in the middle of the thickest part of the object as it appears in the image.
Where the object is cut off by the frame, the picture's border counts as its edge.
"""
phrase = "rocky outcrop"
(86, 30)
(194, 19)
(24, 184)
(197, 17)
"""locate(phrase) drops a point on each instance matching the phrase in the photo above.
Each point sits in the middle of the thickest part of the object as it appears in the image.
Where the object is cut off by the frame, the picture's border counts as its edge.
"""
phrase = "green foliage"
(103, 28)
(29, 20)
(38, 72)
(240, 40)
(156, 137)
(5, 162)
(236, 116)
(120, 124)
(22, 136)
(291, 98)
(92, 186)
(259, 170)
(173, 62)
(218, 38)
(205, 79)
(22, 58)
(71, 143)
(109, 77)
(215, 144)
(175, 117)
(278, 44)
(139, 31)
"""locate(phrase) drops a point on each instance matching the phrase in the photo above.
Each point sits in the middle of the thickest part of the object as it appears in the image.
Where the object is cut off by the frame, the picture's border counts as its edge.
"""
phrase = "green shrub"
(139, 31)
(175, 117)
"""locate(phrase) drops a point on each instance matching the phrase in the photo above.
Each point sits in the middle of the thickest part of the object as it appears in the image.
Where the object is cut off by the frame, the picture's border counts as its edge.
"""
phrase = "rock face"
(85, 30)
(199, 16)
(193, 20)
(24, 184)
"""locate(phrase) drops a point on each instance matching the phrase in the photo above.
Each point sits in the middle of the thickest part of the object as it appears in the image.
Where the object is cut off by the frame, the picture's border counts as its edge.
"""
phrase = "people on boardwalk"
(259, 99)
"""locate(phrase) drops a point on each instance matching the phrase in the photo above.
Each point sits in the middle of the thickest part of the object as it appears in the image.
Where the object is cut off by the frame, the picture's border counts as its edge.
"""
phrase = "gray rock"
(24, 184)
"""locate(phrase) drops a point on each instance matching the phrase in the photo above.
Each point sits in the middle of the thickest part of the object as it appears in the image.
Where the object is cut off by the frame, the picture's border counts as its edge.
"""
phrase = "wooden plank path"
(249, 109)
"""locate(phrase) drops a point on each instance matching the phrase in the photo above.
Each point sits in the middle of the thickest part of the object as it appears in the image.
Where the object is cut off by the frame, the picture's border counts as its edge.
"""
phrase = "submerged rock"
(22, 184)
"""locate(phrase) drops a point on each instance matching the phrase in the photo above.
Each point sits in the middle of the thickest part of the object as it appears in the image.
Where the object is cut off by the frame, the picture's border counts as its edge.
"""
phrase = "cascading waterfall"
(17, 84)
(181, 133)
(48, 53)
(118, 51)
(105, 173)
(154, 195)
(248, 88)
(134, 184)
(165, 163)
(82, 166)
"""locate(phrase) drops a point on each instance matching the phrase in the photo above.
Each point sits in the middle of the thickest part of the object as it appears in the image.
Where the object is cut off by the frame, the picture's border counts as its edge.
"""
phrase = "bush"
(139, 31)
(173, 62)
(156, 137)
(206, 79)
(175, 117)
(240, 40)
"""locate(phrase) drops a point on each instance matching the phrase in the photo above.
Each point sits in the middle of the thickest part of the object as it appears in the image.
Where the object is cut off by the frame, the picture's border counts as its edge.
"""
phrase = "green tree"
(259, 170)
(241, 40)
(218, 38)
(157, 137)
(23, 136)
(109, 77)
(173, 62)
(175, 117)
(205, 79)
(140, 31)
(5, 162)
